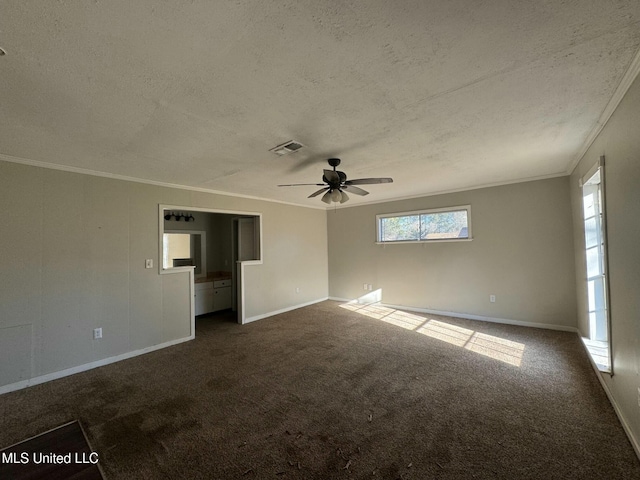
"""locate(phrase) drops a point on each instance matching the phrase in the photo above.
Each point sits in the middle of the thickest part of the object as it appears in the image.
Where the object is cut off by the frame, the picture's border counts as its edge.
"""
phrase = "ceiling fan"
(335, 184)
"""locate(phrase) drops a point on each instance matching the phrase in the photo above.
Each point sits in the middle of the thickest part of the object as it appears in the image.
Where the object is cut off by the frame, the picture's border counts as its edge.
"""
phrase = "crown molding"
(623, 87)
(455, 190)
(97, 173)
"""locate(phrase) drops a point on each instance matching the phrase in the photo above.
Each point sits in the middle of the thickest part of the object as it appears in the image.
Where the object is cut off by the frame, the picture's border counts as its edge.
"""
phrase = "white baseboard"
(87, 366)
(283, 310)
(340, 299)
(106, 361)
(625, 425)
(482, 318)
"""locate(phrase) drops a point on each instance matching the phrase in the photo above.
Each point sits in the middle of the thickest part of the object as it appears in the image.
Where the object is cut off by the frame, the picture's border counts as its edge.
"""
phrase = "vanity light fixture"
(178, 216)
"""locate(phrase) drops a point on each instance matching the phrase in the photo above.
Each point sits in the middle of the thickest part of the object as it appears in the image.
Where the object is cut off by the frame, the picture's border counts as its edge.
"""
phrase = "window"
(441, 224)
(598, 341)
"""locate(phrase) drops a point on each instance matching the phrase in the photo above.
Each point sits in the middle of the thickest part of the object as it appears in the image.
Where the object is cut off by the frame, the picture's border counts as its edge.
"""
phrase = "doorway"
(212, 243)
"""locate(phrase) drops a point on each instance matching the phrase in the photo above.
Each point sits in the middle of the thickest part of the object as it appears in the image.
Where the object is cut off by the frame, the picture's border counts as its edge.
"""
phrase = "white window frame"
(457, 208)
(604, 259)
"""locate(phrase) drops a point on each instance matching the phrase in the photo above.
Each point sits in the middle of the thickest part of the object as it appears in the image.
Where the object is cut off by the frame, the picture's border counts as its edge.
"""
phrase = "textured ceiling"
(440, 95)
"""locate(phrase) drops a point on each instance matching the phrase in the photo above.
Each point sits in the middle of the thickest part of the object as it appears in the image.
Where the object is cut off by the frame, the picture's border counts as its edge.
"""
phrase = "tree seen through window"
(436, 225)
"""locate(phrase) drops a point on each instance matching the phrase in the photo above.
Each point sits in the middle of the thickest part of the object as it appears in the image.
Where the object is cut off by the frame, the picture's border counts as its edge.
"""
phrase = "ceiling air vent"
(288, 147)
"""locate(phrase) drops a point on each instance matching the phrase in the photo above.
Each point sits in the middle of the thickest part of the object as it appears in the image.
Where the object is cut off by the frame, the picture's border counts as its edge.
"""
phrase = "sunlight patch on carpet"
(488, 345)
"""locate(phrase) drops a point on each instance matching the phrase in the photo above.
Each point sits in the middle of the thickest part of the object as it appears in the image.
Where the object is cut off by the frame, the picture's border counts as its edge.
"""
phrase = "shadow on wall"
(493, 347)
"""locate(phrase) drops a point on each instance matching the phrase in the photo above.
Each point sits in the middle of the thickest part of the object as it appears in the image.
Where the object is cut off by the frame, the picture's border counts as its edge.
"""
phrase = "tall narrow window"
(599, 339)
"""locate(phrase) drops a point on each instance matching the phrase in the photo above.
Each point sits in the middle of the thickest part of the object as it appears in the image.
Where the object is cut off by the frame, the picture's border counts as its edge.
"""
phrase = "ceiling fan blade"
(326, 198)
(368, 181)
(302, 184)
(315, 194)
(356, 190)
(344, 196)
(332, 176)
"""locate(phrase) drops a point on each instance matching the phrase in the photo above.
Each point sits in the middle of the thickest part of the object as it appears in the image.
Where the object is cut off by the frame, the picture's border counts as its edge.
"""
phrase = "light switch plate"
(148, 263)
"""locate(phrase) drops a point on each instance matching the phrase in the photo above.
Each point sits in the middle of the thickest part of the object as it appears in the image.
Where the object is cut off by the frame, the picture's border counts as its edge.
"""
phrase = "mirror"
(182, 248)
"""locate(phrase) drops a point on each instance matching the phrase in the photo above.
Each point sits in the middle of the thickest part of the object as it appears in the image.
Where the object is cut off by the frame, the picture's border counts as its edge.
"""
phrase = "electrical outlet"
(297, 289)
(492, 298)
(364, 286)
(370, 287)
(97, 333)
(148, 263)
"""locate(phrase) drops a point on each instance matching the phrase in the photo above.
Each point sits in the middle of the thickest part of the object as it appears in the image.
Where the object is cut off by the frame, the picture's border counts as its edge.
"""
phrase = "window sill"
(439, 240)
(599, 353)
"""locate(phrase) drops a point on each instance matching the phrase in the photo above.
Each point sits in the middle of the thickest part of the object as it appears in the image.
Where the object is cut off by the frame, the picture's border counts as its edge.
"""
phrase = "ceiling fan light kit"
(335, 182)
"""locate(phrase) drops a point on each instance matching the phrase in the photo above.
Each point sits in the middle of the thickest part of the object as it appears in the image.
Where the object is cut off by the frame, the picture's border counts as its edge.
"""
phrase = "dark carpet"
(327, 392)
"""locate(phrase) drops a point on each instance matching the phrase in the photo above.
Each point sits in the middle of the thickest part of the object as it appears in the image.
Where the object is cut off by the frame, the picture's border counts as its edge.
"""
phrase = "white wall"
(522, 252)
(72, 256)
(619, 142)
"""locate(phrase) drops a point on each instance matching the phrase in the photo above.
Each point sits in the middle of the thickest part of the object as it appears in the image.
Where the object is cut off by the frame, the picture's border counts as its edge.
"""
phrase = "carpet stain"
(143, 433)
(101, 397)
(124, 438)
(222, 383)
(172, 406)
(391, 471)
(362, 372)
